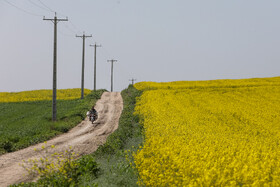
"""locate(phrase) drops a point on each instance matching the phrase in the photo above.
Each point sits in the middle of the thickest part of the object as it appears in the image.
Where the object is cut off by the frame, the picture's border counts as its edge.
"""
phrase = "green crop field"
(26, 123)
(110, 165)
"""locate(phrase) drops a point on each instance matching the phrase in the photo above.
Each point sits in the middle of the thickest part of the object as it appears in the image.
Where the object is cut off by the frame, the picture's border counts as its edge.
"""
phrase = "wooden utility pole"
(132, 80)
(55, 21)
(83, 63)
(95, 46)
(112, 61)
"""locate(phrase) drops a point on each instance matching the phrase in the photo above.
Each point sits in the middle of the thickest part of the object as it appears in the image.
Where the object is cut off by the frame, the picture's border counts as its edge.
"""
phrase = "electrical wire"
(68, 35)
(21, 9)
(71, 26)
(107, 52)
(43, 8)
(74, 26)
(71, 30)
(50, 9)
(46, 6)
(58, 13)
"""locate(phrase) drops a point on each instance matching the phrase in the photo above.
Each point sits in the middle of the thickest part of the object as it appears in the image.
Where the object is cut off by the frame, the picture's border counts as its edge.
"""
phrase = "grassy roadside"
(113, 157)
(26, 123)
(110, 164)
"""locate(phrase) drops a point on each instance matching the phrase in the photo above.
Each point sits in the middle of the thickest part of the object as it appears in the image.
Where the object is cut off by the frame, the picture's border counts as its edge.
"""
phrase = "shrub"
(59, 168)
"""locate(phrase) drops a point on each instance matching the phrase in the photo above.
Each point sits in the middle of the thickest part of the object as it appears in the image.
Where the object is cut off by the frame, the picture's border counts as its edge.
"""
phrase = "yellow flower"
(37, 95)
(209, 133)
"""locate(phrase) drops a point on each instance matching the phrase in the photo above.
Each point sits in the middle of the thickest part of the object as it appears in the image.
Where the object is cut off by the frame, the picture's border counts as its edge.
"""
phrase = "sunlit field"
(204, 133)
(39, 95)
(26, 117)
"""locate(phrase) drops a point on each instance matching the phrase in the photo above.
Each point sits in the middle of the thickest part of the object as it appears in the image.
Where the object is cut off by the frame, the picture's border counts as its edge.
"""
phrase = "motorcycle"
(93, 117)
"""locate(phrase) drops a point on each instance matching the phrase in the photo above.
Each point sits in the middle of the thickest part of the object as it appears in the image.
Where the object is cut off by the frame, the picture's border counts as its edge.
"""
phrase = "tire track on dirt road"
(84, 139)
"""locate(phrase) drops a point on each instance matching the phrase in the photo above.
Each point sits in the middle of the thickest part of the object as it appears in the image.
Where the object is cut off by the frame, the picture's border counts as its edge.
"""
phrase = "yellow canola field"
(210, 135)
(39, 95)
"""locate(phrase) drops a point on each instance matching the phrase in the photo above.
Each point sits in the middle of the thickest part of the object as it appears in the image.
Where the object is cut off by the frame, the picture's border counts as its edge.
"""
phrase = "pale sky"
(153, 40)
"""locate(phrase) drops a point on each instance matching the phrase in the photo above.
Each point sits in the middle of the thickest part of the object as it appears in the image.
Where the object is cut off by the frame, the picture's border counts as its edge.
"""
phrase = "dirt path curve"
(84, 139)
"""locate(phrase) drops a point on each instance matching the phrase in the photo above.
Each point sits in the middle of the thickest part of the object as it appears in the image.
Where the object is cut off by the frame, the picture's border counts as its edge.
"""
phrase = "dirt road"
(84, 139)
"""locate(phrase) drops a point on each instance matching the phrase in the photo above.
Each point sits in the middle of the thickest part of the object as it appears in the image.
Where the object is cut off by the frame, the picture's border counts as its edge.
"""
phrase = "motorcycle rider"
(93, 111)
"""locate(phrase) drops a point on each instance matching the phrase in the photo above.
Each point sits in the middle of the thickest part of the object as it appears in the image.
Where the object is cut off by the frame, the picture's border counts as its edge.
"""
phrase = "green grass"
(115, 169)
(26, 123)
(73, 170)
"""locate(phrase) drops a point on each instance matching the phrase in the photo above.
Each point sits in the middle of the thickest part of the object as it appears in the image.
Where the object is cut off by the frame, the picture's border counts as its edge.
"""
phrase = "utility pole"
(112, 61)
(83, 63)
(95, 46)
(132, 81)
(55, 21)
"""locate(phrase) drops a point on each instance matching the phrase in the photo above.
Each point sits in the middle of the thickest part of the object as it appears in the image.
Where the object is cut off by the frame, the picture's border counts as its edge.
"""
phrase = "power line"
(74, 26)
(107, 52)
(46, 9)
(49, 9)
(38, 6)
(70, 29)
(68, 35)
(60, 14)
(46, 6)
(21, 9)
(124, 70)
